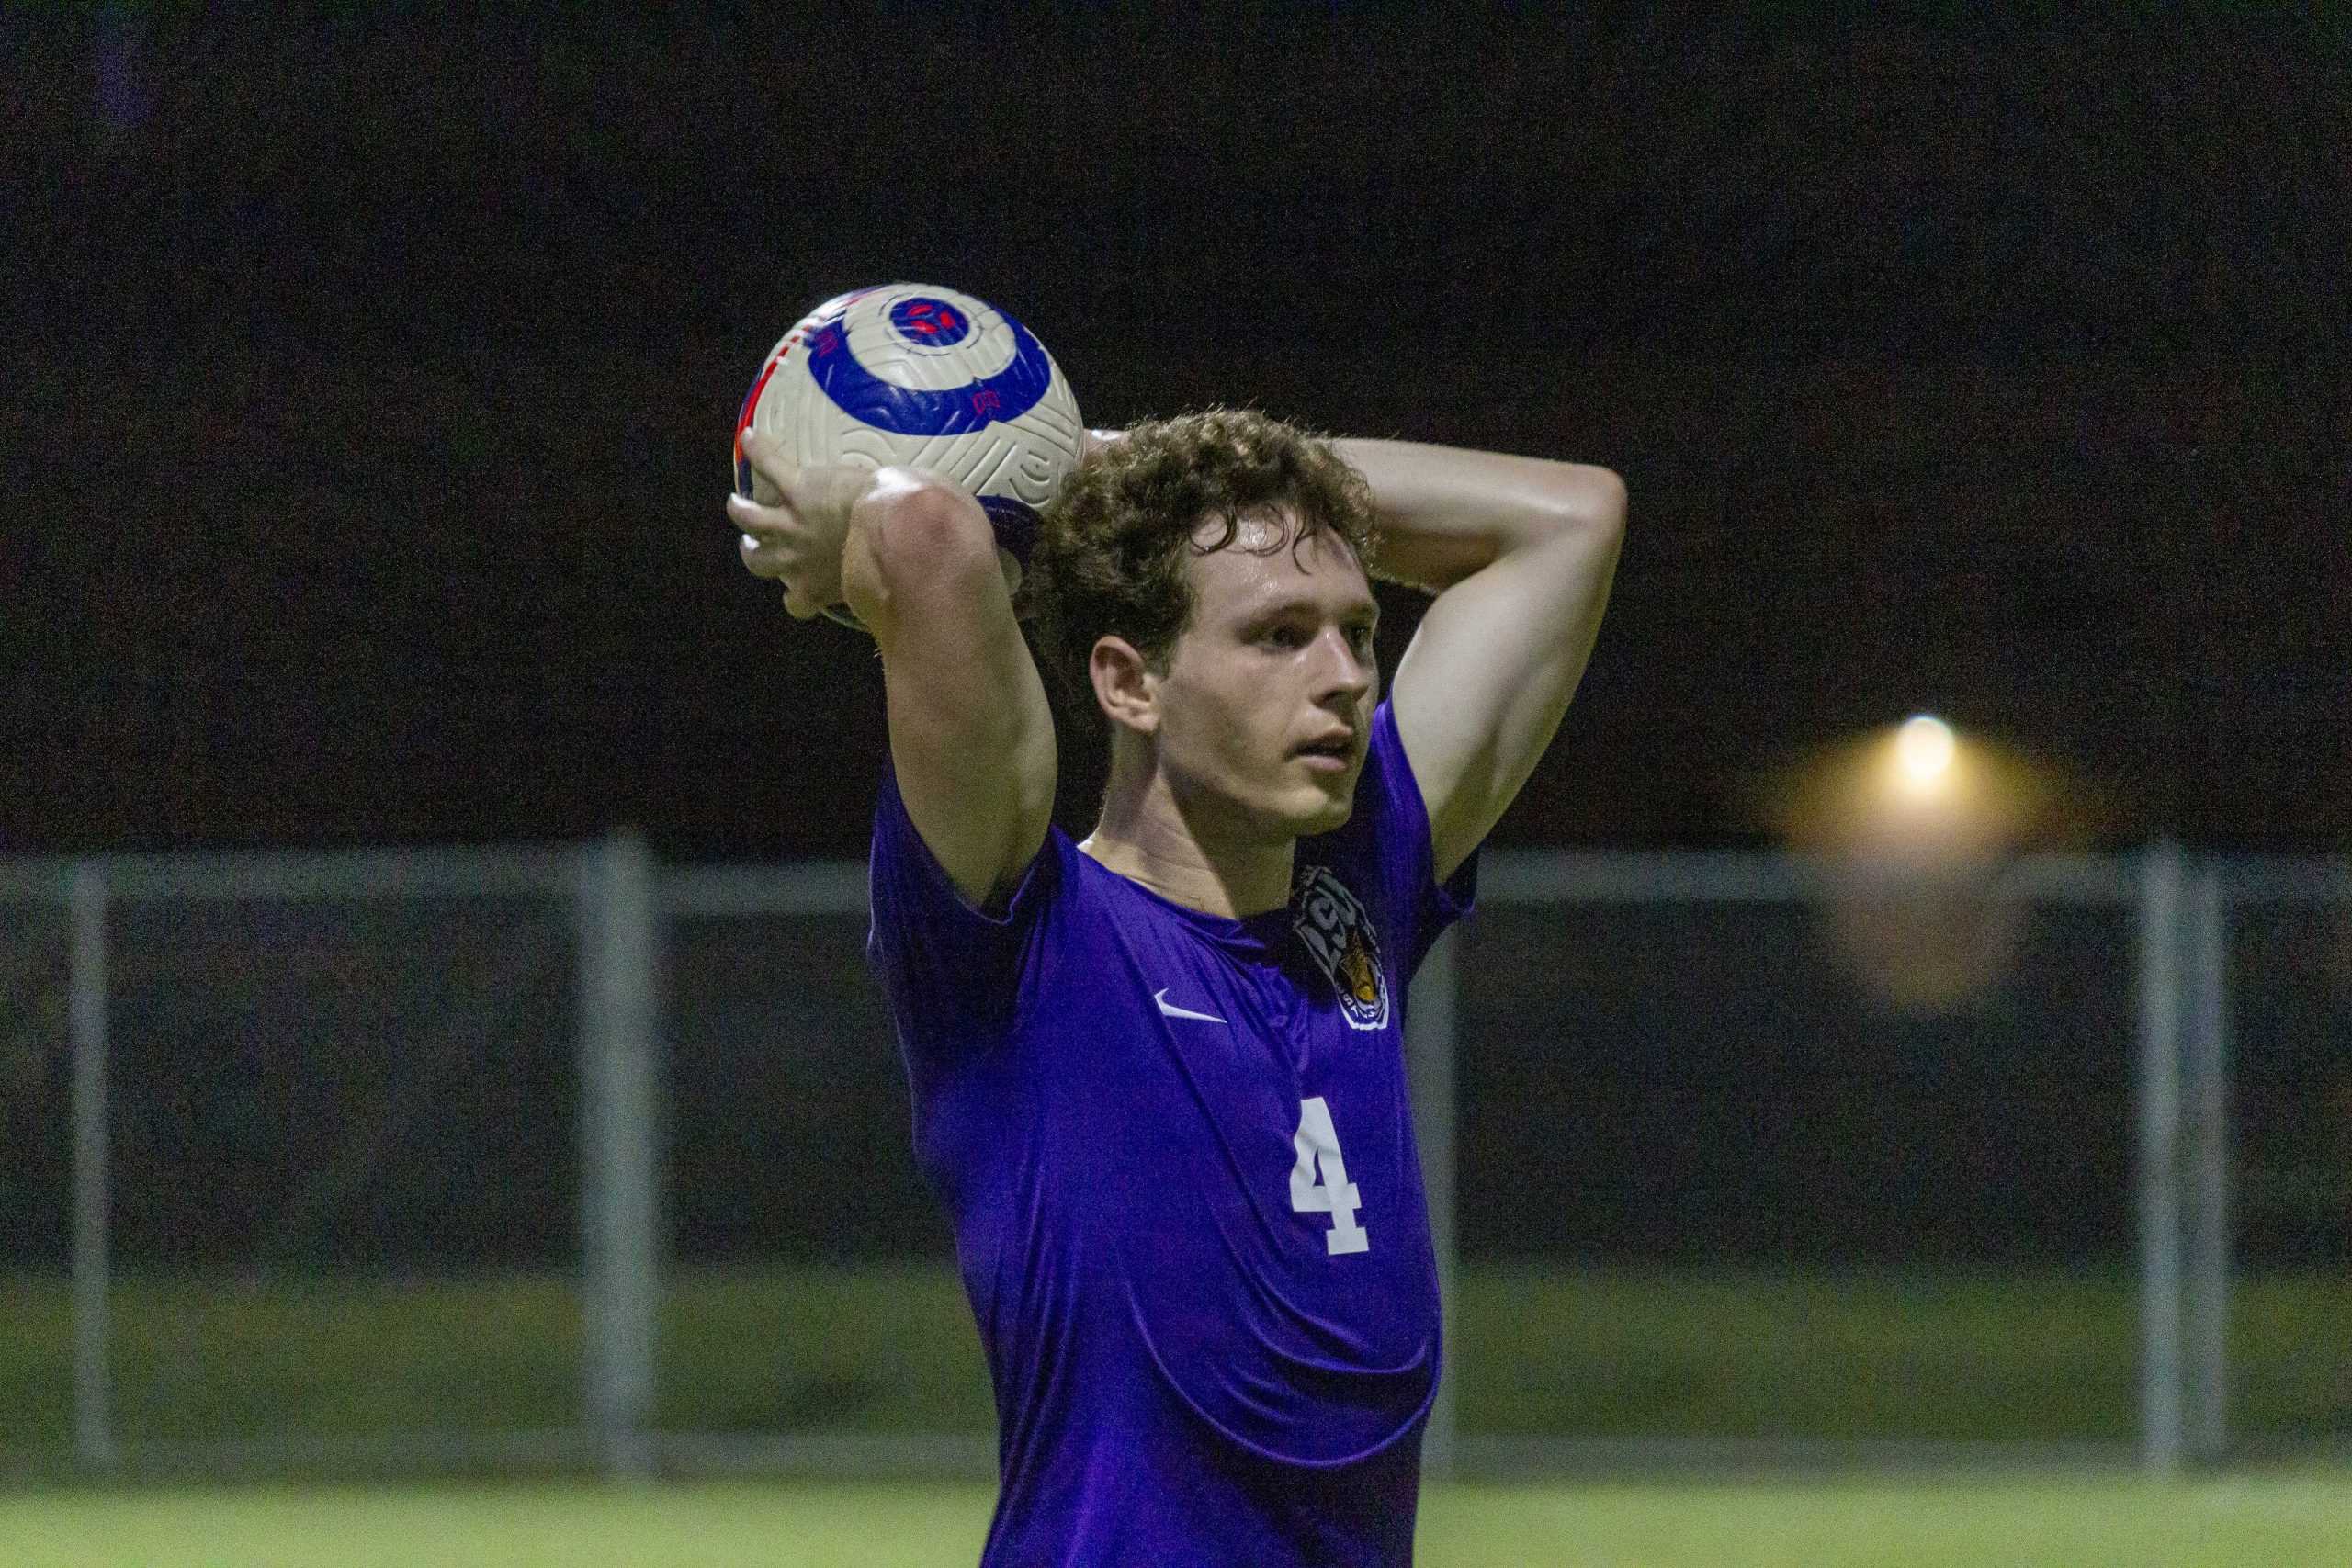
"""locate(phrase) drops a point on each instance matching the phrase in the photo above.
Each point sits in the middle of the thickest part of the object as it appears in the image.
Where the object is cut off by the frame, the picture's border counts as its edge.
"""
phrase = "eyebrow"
(1367, 611)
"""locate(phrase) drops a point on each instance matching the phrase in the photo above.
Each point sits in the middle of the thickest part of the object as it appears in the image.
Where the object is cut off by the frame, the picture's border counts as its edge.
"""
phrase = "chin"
(1327, 814)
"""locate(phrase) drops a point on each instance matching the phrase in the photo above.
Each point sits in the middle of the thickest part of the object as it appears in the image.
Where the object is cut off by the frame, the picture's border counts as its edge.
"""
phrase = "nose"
(1340, 672)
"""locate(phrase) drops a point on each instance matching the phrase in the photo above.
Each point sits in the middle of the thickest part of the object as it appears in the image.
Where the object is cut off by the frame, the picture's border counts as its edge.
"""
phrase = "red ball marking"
(752, 403)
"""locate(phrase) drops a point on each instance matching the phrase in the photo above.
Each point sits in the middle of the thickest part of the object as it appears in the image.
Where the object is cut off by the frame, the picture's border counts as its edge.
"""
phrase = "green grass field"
(2260, 1522)
(2023, 1355)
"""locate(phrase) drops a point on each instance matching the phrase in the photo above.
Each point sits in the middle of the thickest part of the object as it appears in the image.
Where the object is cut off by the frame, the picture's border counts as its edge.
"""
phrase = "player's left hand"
(798, 539)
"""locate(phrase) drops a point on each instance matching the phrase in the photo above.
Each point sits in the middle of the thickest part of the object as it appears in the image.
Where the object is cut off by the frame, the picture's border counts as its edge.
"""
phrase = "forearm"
(1446, 511)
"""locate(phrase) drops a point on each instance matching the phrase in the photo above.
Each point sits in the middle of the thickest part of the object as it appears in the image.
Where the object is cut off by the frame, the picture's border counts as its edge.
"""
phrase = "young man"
(1157, 1075)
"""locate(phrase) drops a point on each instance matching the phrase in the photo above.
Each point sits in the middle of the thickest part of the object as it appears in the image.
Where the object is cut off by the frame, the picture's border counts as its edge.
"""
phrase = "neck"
(1146, 835)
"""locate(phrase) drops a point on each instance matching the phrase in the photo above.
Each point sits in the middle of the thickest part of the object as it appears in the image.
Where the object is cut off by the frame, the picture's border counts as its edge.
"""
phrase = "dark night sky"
(371, 382)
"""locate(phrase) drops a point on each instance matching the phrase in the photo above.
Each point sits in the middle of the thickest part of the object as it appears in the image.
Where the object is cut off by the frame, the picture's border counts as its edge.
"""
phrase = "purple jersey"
(1188, 1208)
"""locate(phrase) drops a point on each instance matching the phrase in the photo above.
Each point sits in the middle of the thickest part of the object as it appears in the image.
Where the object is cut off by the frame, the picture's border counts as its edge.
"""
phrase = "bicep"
(971, 734)
(1481, 690)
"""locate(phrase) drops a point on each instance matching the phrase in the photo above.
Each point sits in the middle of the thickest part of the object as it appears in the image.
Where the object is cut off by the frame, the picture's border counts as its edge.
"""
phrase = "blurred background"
(436, 1028)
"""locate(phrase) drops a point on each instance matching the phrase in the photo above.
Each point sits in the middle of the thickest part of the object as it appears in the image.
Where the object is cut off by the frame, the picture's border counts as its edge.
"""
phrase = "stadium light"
(1923, 748)
(1908, 830)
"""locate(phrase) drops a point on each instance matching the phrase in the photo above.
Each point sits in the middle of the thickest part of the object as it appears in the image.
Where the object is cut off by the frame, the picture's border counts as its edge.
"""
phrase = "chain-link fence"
(562, 1158)
(36, 1140)
(2288, 1028)
(1709, 1189)
(294, 1161)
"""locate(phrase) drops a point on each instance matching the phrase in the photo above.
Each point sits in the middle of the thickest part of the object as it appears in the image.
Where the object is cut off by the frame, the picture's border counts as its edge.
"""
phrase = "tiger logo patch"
(1335, 927)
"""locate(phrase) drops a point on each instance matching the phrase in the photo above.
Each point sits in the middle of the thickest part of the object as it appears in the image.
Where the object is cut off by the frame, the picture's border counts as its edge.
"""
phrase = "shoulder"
(918, 904)
(960, 974)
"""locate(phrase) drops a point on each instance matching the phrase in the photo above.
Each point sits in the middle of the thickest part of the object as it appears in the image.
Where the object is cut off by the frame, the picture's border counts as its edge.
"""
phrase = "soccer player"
(1157, 1075)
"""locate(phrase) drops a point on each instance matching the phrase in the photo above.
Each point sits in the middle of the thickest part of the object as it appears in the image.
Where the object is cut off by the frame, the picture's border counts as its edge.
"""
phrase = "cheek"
(1243, 743)
(1229, 730)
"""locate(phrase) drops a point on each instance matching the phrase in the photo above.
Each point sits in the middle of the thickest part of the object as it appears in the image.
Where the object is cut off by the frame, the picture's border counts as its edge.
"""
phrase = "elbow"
(1590, 499)
(1578, 508)
(909, 533)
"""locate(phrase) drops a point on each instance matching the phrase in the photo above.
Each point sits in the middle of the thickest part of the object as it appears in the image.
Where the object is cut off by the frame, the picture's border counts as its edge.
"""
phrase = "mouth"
(1332, 753)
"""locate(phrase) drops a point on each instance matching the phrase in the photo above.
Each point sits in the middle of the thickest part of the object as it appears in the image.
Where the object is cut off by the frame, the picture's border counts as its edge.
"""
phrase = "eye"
(1283, 636)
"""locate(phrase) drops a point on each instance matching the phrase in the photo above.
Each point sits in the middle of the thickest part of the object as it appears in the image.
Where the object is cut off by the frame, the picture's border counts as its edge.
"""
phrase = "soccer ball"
(911, 373)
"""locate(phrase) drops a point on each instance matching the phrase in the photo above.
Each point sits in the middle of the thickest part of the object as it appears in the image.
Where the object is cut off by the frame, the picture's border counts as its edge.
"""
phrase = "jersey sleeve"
(1386, 843)
(953, 972)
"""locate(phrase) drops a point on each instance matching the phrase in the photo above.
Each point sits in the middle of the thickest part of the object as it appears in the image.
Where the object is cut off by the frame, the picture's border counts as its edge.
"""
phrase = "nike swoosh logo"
(1172, 1011)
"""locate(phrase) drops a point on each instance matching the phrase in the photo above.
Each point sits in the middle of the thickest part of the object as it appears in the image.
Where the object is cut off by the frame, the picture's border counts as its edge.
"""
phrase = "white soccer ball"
(912, 373)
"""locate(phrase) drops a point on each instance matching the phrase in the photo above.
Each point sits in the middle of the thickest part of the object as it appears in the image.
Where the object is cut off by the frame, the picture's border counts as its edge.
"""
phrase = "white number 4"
(1318, 1141)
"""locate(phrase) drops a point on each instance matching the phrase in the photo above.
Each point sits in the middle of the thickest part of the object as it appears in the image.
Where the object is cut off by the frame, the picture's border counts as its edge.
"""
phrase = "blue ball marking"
(929, 323)
(906, 410)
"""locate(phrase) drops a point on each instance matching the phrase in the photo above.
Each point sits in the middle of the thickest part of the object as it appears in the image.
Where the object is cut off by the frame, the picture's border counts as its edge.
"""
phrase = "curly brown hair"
(1112, 546)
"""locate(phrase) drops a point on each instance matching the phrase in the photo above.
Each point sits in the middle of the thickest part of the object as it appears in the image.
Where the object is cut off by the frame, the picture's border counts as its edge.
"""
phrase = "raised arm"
(1520, 552)
(971, 735)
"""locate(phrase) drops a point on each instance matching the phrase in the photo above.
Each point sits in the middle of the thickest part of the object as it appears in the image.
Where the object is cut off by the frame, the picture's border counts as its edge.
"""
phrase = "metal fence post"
(1430, 1069)
(620, 1154)
(2206, 1171)
(2161, 901)
(92, 1430)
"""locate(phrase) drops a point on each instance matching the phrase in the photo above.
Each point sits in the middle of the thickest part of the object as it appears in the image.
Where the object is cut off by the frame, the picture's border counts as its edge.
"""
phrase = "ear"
(1124, 686)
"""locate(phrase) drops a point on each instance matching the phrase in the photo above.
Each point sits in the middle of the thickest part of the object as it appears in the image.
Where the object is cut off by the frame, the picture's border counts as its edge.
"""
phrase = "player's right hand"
(798, 537)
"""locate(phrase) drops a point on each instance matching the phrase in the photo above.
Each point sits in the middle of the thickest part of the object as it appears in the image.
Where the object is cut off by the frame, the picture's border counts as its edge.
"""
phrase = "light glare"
(1923, 748)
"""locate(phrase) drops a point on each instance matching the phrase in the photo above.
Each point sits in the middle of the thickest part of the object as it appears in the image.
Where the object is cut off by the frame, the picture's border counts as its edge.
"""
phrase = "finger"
(752, 517)
(765, 452)
(762, 559)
